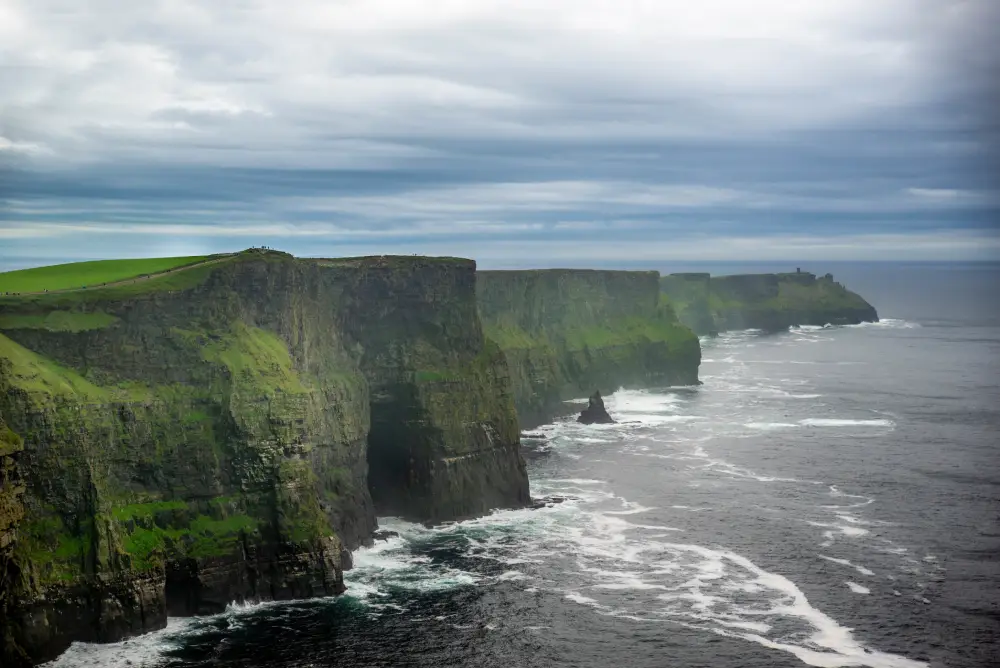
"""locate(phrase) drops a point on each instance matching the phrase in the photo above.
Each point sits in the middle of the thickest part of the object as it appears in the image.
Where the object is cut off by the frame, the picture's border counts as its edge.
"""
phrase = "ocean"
(829, 496)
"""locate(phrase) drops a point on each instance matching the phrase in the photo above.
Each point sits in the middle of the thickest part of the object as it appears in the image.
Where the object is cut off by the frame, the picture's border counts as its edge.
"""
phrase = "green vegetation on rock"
(566, 333)
(770, 302)
(58, 321)
(206, 435)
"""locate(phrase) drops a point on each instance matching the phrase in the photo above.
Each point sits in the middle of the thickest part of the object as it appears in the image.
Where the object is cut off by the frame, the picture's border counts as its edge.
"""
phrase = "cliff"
(228, 431)
(11, 512)
(566, 333)
(771, 302)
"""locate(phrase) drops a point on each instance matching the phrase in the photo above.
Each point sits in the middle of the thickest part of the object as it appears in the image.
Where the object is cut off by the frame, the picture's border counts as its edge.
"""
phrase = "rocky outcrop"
(771, 302)
(595, 412)
(227, 432)
(565, 332)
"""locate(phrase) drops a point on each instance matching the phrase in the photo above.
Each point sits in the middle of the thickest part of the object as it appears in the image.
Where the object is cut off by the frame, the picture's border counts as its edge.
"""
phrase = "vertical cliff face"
(11, 512)
(207, 436)
(444, 441)
(771, 302)
(566, 333)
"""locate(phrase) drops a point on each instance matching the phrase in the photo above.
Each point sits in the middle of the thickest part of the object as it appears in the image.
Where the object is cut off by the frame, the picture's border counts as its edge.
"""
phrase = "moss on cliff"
(763, 301)
(200, 437)
(444, 442)
(11, 508)
(58, 321)
(566, 333)
(175, 439)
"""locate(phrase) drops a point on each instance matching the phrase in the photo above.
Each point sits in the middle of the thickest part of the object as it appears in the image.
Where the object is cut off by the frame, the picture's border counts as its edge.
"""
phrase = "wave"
(824, 422)
(145, 650)
(723, 592)
(819, 422)
(858, 589)
(888, 323)
(768, 426)
(845, 562)
(588, 552)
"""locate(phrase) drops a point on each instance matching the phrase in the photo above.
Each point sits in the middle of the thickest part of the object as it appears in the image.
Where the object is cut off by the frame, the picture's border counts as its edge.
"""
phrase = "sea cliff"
(568, 332)
(771, 302)
(230, 430)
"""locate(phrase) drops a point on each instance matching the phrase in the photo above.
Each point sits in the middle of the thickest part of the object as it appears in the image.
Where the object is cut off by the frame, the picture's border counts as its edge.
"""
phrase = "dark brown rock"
(595, 413)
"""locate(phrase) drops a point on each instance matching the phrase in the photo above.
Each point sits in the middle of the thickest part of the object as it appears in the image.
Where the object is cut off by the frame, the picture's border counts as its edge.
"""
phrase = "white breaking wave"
(823, 422)
(145, 650)
(640, 402)
(858, 589)
(845, 562)
(888, 323)
(819, 422)
(593, 556)
(713, 589)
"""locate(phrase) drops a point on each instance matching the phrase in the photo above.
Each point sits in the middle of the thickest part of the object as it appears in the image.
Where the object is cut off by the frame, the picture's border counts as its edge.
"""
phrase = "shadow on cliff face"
(399, 450)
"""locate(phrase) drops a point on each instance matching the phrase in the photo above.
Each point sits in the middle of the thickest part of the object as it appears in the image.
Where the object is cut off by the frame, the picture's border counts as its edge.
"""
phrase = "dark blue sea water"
(828, 497)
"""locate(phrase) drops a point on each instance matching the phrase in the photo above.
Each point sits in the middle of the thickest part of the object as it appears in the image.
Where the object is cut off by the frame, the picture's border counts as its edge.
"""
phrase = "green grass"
(627, 332)
(88, 274)
(256, 358)
(33, 373)
(9, 441)
(510, 337)
(436, 375)
(146, 509)
(40, 376)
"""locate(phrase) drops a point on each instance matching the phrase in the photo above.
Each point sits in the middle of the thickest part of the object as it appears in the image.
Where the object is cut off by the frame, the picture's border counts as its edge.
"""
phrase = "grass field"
(80, 274)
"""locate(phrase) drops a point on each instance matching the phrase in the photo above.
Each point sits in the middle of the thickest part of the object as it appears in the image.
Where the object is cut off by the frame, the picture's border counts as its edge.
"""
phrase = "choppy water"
(828, 497)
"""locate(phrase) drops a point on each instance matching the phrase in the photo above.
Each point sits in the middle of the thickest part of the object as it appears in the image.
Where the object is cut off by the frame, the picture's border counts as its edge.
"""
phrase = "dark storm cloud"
(840, 129)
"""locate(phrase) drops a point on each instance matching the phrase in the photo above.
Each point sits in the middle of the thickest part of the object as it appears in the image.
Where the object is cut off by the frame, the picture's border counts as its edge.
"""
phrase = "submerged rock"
(595, 413)
(384, 535)
(546, 502)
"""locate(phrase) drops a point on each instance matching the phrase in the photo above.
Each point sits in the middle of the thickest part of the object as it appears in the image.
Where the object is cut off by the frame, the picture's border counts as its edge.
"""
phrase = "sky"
(515, 132)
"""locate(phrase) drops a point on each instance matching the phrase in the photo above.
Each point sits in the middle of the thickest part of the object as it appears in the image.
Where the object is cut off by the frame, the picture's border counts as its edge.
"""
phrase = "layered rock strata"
(566, 332)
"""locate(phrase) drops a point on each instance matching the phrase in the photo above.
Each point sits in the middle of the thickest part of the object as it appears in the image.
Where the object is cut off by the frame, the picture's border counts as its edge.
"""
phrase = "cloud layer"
(660, 128)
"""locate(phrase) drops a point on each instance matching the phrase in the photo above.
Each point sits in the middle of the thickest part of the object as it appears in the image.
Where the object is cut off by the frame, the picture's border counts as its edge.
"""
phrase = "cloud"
(391, 120)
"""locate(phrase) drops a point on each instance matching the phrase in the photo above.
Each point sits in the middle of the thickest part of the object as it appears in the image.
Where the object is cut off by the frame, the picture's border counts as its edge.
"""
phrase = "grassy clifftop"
(566, 333)
(771, 302)
(78, 275)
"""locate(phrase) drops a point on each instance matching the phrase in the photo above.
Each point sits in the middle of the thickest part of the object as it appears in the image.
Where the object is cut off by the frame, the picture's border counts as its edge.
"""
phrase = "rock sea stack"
(595, 413)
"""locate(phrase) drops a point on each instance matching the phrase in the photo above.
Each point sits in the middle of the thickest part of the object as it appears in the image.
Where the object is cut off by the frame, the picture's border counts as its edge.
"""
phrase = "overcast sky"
(512, 131)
